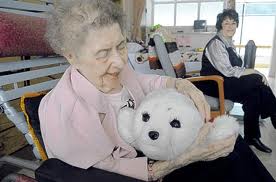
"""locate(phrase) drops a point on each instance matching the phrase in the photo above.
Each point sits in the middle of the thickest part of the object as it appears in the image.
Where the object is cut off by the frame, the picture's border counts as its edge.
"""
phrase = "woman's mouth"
(114, 74)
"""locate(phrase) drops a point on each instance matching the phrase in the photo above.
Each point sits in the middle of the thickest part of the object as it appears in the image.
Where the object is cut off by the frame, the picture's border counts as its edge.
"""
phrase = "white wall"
(272, 72)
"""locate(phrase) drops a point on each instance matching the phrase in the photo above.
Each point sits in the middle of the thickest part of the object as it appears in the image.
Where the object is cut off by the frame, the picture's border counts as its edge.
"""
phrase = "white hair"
(70, 21)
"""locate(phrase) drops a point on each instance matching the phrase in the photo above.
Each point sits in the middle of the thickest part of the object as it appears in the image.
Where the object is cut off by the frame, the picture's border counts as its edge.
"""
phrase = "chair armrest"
(219, 80)
(215, 78)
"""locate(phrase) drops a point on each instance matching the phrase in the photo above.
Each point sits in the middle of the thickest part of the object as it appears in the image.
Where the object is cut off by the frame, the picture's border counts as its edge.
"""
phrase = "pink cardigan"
(73, 131)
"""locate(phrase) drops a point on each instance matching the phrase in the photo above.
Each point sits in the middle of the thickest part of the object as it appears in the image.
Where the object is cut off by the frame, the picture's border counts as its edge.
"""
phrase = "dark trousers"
(239, 166)
(257, 99)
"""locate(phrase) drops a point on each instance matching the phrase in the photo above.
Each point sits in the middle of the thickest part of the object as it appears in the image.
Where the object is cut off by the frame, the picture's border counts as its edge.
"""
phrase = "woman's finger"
(265, 80)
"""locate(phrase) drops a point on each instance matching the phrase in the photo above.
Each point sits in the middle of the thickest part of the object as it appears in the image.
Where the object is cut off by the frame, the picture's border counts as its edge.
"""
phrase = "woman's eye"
(175, 123)
(102, 54)
(122, 46)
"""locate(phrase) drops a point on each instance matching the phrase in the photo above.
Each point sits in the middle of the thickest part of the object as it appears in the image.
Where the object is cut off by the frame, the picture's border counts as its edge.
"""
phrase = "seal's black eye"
(145, 117)
(175, 123)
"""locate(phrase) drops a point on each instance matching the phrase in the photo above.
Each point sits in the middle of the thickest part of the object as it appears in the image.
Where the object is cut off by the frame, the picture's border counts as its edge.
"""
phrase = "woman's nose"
(118, 60)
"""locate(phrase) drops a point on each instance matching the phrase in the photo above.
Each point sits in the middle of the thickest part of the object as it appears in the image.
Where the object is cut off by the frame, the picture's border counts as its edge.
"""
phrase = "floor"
(268, 137)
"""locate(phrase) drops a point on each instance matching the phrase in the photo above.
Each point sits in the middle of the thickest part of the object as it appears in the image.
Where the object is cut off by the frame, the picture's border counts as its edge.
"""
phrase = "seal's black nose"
(153, 135)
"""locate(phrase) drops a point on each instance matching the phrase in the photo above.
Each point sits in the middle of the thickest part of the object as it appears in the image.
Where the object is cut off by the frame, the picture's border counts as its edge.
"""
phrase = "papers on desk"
(192, 56)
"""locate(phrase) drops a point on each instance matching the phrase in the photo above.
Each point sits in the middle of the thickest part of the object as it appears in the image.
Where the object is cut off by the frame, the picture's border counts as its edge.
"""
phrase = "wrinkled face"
(102, 57)
(166, 124)
(229, 27)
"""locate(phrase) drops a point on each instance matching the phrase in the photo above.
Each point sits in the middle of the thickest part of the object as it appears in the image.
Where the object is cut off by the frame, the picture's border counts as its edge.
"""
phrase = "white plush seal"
(167, 123)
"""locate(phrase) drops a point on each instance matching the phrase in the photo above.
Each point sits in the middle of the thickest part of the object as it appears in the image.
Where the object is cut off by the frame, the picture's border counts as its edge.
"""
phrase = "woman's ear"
(69, 57)
(73, 60)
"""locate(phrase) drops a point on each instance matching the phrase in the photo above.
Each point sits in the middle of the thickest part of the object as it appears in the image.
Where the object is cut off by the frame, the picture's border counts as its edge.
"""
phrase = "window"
(209, 11)
(266, 9)
(164, 14)
(257, 21)
(184, 12)
(252, 16)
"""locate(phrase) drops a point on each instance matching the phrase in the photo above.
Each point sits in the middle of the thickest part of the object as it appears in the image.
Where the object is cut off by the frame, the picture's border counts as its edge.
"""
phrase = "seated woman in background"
(246, 86)
(79, 116)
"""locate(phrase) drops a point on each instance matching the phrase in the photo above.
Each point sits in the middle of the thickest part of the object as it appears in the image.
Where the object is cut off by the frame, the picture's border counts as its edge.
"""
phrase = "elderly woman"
(79, 116)
(246, 86)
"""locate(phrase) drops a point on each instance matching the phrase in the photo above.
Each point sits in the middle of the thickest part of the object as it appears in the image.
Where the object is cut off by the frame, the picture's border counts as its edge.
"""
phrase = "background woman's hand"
(263, 77)
(252, 71)
(186, 87)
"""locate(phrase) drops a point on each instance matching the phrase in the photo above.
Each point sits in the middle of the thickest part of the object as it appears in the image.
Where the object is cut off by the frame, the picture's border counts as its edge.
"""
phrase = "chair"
(29, 104)
(41, 74)
(51, 169)
(250, 54)
(141, 67)
(22, 28)
(47, 68)
(219, 105)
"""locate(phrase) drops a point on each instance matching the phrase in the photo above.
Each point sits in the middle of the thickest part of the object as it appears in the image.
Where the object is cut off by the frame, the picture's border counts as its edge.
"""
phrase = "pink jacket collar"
(98, 101)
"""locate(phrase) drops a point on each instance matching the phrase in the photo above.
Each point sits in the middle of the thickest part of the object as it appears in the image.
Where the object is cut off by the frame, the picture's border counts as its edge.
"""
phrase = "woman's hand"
(264, 80)
(186, 87)
(252, 71)
(198, 152)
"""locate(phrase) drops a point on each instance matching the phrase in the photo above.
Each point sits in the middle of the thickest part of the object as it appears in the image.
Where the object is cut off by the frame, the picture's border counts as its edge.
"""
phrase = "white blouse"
(119, 100)
(217, 54)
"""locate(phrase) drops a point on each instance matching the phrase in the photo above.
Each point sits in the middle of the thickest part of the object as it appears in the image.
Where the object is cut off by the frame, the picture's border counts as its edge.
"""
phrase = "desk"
(193, 67)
